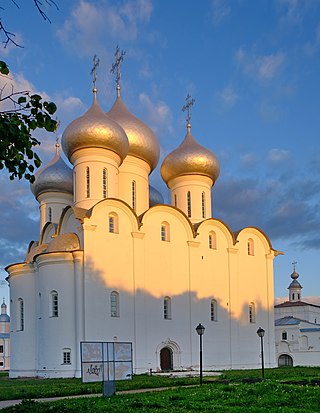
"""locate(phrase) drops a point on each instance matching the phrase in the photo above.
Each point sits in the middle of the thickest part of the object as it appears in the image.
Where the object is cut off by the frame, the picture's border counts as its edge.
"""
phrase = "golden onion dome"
(190, 158)
(95, 129)
(143, 143)
(56, 176)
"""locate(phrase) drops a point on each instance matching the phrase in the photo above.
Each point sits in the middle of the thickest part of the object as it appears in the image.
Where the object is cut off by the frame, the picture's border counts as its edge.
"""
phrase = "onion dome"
(4, 318)
(155, 197)
(143, 143)
(95, 129)
(56, 176)
(190, 158)
(294, 283)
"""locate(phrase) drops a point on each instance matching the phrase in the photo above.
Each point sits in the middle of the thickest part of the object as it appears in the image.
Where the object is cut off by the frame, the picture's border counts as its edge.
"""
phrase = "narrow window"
(54, 304)
(252, 313)
(189, 203)
(20, 314)
(213, 310)
(167, 308)
(1, 348)
(88, 182)
(175, 200)
(293, 296)
(74, 185)
(284, 335)
(212, 240)
(250, 246)
(165, 229)
(298, 296)
(133, 195)
(203, 204)
(114, 304)
(66, 356)
(113, 222)
(49, 214)
(104, 183)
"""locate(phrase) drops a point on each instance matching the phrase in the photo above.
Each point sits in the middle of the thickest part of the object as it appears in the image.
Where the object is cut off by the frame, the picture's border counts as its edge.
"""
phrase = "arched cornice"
(260, 234)
(79, 213)
(173, 210)
(218, 223)
(45, 229)
(118, 203)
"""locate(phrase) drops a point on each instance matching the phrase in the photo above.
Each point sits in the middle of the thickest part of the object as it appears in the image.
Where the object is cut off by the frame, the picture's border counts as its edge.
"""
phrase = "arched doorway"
(166, 359)
(285, 360)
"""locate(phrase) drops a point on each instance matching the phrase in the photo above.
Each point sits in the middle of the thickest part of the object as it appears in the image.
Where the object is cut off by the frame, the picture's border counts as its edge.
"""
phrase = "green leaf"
(4, 70)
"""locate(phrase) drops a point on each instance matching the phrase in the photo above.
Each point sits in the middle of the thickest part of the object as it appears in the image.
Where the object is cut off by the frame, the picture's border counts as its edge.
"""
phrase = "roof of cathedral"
(95, 129)
(295, 304)
(290, 320)
(143, 143)
(190, 158)
(56, 176)
(64, 242)
(155, 197)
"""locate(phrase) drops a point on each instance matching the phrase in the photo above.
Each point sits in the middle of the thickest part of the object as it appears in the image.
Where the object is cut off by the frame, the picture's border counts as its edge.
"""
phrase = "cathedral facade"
(115, 263)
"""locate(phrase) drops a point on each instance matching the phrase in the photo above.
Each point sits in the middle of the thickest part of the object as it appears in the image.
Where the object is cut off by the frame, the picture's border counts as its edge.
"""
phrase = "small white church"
(113, 262)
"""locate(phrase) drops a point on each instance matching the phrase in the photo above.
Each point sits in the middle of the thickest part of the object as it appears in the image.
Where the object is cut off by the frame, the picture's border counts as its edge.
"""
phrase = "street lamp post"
(200, 330)
(260, 333)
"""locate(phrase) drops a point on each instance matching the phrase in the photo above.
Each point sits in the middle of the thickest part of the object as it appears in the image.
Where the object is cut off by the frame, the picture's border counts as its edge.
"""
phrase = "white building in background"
(113, 262)
(4, 338)
(297, 325)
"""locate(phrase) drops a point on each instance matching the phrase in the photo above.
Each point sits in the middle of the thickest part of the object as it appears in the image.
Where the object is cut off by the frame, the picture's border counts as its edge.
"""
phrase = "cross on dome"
(116, 66)
(93, 72)
(294, 265)
(187, 107)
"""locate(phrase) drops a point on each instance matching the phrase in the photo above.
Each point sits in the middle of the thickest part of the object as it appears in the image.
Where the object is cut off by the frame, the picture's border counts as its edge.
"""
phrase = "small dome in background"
(143, 143)
(4, 318)
(155, 197)
(56, 176)
(95, 129)
(190, 158)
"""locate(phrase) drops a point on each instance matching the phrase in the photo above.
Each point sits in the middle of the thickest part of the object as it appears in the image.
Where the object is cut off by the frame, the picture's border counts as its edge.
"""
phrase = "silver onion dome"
(56, 176)
(143, 143)
(155, 197)
(95, 129)
(190, 158)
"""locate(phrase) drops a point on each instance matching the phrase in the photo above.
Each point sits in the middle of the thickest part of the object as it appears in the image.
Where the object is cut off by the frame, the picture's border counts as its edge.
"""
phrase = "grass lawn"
(284, 390)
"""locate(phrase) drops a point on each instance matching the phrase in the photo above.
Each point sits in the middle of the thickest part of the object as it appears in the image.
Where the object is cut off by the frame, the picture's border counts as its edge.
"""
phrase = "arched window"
(49, 214)
(113, 222)
(189, 203)
(285, 360)
(87, 182)
(114, 304)
(74, 185)
(20, 314)
(133, 194)
(54, 304)
(165, 231)
(175, 200)
(104, 183)
(212, 240)
(167, 308)
(284, 335)
(213, 310)
(250, 246)
(252, 313)
(66, 356)
(203, 204)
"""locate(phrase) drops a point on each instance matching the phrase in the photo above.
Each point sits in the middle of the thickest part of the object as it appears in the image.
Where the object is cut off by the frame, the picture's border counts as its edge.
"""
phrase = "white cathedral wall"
(309, 313)
(137, 170)
(196, 184)
(23, 343)
(55, 333)
(96, 159)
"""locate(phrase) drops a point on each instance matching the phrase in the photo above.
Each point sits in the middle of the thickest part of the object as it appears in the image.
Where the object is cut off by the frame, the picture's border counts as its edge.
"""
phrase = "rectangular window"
(114, 303)
(284, 335)
(189, 203)
(167, 308)
(66, 356)
(252, 313)
(88, 182)
(20, 314)
(104, 183)
(1, 364)
(133, 194)
(55, 305)
(203, 205)
(1, 349)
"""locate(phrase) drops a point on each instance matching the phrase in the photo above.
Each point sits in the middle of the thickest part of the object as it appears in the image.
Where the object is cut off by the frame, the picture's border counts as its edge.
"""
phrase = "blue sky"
(252, 67)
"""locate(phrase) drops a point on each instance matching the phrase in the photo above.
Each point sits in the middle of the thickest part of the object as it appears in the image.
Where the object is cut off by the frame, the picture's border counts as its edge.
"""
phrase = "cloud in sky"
(260, 67)
(227, 97)
(90, 24)
(220, 10)
(158, 114)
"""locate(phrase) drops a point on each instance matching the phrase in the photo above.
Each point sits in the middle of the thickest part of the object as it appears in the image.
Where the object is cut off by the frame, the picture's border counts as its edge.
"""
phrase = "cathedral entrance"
(166, 359)
(285, 360)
